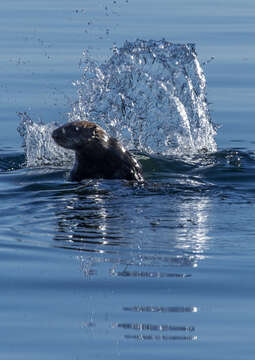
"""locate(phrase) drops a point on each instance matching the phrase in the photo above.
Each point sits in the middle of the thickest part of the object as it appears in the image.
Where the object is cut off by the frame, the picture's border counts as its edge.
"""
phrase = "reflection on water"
(146, 331)
(140, 331)
(98, 221)
(147, 274)
(112, 248)
(161, 309)
(151, 327)
(164, 337)
(83, 222)
(194, 236)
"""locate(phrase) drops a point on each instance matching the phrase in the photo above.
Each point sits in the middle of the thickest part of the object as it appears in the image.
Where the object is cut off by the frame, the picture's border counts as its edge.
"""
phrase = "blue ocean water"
(105, 269)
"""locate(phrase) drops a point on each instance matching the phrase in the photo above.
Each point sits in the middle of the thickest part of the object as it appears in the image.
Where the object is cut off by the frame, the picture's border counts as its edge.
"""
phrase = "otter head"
(77, 135)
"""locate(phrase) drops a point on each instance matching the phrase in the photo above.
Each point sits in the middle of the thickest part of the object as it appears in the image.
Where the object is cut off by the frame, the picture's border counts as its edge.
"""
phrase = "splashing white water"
(40, 148)
(151, 95)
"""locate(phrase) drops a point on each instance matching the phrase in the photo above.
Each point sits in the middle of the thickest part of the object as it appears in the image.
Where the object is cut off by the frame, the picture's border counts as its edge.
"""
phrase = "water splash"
(40, 148)
(151, 95)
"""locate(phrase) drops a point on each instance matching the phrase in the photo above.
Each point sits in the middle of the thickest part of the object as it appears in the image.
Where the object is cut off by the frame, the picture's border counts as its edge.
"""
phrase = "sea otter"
(97, 155)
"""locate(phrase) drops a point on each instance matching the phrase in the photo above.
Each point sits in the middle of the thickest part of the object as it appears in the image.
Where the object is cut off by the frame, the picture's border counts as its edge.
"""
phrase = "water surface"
(108, 269)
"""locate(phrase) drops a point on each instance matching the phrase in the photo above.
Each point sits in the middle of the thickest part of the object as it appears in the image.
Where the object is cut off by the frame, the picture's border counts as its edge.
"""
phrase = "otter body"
(97, 155)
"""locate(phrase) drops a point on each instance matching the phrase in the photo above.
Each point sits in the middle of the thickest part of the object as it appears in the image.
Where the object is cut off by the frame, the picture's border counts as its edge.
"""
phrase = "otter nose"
(56, 135)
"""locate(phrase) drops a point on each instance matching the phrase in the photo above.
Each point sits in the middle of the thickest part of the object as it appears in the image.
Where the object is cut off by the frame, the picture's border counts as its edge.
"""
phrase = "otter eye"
(76, 128)
(122, 148)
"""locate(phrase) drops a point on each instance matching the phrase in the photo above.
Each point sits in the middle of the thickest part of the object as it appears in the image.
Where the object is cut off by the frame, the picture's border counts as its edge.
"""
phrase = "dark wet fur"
(97, 155)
